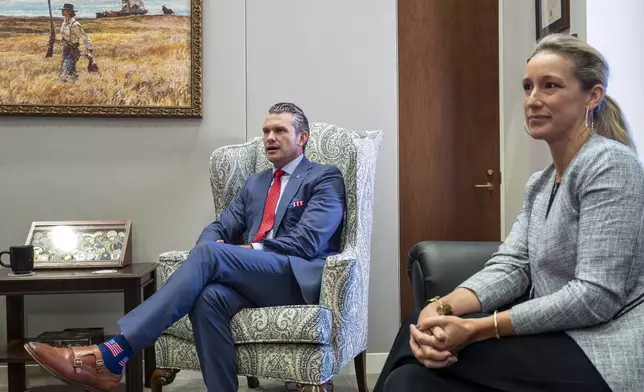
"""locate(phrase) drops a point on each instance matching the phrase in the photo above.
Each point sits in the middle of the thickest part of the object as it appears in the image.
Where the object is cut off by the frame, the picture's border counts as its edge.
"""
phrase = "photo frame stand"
(81, 244)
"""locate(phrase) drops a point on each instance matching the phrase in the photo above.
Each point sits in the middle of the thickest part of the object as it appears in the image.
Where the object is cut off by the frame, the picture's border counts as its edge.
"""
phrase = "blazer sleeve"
(611, 209)
(230, 225)
(320, 219)
(506, 276)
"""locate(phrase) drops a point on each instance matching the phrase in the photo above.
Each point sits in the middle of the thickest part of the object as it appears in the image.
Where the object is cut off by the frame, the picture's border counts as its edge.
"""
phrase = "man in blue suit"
(266, 249)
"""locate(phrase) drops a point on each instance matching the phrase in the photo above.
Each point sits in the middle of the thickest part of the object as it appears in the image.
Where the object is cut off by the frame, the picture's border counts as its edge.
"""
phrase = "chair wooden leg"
(360, 363)
(297, 387)
(162, 377)
(253, 382)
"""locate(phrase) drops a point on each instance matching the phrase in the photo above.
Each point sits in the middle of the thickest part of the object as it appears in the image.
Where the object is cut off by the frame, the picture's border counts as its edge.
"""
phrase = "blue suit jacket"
(308, 221)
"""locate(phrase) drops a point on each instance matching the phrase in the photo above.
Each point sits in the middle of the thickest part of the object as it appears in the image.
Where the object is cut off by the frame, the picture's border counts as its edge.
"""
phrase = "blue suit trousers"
(215, 282)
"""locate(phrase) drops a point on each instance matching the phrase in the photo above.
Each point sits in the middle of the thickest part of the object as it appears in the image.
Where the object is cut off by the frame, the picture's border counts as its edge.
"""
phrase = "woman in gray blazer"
(576, 254)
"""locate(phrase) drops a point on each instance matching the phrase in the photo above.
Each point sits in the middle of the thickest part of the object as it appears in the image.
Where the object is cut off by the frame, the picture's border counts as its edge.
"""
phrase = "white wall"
(521, 155)
(616, 30)
(578, 18)
(338, 59)
(155, 172)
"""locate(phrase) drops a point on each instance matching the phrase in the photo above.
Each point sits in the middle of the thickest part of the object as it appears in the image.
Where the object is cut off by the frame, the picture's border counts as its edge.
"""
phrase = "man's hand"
(241, 246)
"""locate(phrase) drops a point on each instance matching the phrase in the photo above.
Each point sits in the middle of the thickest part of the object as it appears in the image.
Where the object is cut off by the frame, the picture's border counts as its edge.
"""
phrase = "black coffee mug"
(21, 259)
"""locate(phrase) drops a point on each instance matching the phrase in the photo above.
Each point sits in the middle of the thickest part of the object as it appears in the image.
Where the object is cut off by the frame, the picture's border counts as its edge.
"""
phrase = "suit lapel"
(263, 184)
(293, 185)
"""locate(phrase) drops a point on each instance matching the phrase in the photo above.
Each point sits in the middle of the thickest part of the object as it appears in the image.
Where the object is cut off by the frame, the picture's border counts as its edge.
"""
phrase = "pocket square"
(299, 203)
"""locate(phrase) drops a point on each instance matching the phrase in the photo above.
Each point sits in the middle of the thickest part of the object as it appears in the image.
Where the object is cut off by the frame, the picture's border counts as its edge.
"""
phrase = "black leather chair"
(437, 267)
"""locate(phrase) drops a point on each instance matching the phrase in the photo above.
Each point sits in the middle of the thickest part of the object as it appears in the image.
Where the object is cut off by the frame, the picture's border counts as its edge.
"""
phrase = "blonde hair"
(591, 69)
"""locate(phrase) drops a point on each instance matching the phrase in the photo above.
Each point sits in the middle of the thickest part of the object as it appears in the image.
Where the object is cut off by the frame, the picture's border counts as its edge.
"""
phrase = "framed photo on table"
(552, 16)
(81, 244)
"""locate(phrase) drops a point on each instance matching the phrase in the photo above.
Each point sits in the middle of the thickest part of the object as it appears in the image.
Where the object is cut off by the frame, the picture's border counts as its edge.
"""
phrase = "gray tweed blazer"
(583, 263)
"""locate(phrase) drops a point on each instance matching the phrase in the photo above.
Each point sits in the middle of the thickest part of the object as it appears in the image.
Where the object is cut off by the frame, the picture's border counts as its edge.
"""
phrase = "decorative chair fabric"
(307, 344)
(270, 361)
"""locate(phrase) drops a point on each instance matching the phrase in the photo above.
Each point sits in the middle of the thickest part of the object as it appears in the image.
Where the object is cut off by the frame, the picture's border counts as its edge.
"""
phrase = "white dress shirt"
(289, 168)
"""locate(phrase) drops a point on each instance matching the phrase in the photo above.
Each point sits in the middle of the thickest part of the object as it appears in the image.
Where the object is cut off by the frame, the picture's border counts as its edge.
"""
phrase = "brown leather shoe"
(81, 366)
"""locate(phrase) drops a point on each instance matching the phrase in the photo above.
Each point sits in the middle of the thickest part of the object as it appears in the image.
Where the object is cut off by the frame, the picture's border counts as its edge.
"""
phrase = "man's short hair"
(300, 122)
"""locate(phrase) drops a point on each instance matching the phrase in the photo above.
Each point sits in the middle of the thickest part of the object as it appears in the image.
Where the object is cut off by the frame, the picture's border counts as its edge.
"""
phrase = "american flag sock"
(116, 352)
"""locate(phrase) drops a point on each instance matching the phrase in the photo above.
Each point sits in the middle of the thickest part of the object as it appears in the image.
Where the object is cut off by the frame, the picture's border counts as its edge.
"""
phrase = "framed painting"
(552, 16)
(81, 244)
(107, 58)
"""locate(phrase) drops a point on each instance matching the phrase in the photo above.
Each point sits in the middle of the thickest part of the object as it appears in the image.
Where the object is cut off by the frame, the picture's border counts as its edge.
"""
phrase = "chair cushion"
(281, 324)
(305, 363)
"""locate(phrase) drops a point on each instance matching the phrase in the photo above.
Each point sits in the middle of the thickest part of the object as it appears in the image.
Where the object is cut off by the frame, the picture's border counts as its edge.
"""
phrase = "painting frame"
(193, 110)
(560, 24)
(119, 256)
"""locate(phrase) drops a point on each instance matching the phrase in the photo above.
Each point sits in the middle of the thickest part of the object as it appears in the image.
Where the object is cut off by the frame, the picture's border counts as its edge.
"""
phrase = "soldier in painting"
(73, 36)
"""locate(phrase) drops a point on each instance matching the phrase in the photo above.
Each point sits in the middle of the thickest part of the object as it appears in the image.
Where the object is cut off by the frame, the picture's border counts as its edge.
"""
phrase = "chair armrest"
(169, 262)
(438, 267)
(345, 287)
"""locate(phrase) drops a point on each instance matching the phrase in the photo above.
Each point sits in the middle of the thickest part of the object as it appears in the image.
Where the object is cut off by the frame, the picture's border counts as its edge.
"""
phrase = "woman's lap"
(546, 362)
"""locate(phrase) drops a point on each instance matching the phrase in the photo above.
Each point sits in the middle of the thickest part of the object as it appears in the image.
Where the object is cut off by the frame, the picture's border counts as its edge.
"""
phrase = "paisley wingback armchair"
(305, 346)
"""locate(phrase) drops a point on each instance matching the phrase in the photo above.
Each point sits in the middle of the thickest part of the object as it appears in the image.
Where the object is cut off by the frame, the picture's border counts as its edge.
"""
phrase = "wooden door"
(449, 125)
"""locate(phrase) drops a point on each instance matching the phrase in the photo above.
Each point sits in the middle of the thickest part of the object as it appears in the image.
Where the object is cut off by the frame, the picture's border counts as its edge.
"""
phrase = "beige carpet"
(187, 381)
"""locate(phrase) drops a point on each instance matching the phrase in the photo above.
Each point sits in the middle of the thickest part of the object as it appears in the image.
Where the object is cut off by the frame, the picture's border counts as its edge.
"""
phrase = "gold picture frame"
(147, 65)
(81, 244)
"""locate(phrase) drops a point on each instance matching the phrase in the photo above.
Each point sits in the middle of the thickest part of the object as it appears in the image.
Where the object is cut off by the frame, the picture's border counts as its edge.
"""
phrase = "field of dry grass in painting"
(143, 61)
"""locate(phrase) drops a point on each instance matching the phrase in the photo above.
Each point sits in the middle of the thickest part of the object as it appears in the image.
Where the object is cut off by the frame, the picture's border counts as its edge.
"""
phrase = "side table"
(130, 281)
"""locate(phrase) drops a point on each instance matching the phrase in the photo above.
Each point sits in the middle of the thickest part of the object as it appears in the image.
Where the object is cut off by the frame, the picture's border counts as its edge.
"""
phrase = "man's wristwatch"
(442, 309)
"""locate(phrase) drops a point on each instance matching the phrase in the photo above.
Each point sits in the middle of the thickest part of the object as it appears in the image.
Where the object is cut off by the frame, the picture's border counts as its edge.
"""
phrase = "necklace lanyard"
(555, 188)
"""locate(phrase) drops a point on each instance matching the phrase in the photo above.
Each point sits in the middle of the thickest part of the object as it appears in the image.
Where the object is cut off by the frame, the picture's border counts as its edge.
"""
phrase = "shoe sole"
(55, 373)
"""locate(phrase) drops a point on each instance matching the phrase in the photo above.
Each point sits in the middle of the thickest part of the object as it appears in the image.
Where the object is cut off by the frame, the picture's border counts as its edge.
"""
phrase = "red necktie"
(269, 207)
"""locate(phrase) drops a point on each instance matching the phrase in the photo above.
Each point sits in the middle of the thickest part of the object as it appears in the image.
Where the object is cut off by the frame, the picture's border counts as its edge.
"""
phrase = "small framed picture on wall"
(552, 16)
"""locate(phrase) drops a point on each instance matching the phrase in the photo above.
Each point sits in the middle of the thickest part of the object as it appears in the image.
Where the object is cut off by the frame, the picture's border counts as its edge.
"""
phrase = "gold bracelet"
(496, 326)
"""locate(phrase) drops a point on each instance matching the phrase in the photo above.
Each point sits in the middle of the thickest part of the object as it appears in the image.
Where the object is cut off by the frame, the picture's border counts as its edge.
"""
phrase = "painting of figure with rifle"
(72, 37)
(101, 57)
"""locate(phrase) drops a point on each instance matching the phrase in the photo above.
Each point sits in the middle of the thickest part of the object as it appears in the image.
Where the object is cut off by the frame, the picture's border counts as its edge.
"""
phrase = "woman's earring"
(527, 129)
(590, 125)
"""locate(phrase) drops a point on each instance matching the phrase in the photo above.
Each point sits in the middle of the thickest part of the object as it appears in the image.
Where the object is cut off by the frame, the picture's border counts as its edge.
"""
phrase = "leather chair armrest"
(438, 267)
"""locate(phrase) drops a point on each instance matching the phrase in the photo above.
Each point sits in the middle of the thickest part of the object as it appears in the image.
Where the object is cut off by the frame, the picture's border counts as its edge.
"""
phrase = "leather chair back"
(438, 267)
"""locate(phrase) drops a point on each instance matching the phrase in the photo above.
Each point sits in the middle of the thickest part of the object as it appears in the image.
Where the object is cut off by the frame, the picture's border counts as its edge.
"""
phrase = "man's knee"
(206, 252)
(214, 298)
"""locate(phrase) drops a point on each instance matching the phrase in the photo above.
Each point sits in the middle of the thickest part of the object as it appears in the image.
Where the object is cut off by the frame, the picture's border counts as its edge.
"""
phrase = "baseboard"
(31, 369)
(375, 363)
